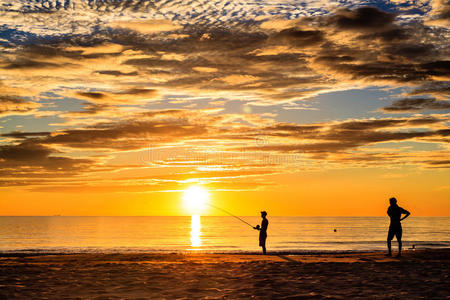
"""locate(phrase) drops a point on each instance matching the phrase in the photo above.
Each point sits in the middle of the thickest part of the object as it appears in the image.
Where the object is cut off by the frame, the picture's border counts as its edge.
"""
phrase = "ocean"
(214, 234)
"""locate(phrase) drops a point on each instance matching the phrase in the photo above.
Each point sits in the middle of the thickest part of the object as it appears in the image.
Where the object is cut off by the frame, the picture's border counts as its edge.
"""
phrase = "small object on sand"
(335, 230)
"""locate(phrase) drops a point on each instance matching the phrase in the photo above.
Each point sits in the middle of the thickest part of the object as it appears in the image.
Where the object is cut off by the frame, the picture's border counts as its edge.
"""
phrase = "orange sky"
(332, 193)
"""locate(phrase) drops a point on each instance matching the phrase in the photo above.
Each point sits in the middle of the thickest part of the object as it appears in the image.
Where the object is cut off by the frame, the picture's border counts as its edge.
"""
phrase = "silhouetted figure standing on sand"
(263, 231)
(395, 228)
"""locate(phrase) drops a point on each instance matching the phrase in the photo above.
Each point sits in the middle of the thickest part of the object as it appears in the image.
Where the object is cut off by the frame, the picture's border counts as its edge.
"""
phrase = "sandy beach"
(417, 275)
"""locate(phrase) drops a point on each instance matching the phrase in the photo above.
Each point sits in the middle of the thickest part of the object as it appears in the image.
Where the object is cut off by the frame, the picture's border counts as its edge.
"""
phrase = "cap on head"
(393, 200)
(264, 213)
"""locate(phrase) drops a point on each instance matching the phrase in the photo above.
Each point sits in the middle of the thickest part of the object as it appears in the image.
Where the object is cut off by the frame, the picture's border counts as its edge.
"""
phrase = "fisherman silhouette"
(263, 231)
(395, 228)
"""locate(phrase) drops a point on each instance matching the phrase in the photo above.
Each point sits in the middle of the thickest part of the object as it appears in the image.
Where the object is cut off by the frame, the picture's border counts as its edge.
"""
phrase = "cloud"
(154, 127)
(24, 64)
(440, 13)
(119, 97)
(147, 26)
(90, 109)
(439, 163)
(257, 53)
(287, 61)
(362, 19)
(105, 48)
(416, 104)
(350, 135)
(203, 138)
(168, 126)
(299, 38)
(29, 157)
(79, 16)
(439, 89)
(13, 105)
(277, 24)
(116, 73)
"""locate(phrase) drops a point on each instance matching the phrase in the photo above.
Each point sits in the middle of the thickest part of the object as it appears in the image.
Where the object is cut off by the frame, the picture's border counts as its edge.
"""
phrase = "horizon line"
(316, 216)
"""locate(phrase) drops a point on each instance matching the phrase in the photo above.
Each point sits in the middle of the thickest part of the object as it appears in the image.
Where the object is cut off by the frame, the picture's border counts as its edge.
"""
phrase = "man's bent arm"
(407, 213)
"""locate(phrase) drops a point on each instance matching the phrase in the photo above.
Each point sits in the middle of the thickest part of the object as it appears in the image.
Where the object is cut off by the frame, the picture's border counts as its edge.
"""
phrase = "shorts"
(262, 239)
(395, 230)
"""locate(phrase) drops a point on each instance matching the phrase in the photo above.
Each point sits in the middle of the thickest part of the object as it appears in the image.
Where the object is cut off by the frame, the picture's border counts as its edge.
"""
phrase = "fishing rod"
(227, 212)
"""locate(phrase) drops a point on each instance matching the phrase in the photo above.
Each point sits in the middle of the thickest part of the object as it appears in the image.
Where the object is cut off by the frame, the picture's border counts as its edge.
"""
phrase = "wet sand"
(418, 275)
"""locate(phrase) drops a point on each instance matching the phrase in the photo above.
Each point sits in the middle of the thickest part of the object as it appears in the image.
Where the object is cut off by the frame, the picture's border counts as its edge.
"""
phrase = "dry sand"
(418, 275)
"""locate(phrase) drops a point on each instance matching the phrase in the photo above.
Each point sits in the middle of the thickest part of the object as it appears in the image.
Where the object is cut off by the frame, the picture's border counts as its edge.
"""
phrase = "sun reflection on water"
(196, 240)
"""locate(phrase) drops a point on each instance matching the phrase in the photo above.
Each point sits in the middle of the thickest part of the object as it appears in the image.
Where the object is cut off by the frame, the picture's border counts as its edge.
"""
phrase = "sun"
(195, 199)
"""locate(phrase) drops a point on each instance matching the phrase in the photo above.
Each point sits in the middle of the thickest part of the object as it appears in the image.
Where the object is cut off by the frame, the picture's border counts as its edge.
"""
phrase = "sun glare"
(195, 199)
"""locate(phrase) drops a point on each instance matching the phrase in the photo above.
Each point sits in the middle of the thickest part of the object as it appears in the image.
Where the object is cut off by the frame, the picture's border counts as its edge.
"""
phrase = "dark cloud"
(69, 48)
(24, 152)
(363, 18)
(19, 134)
(335, 59)
(378, 49)
(437, 68)
(91, 109)
(335, 137)
(386, 123)
(412, 51)
(14, 105)
(167, 126)
(28, 157)
(382, 136)
(416, 104)
(298, 37)
(29, 64)
(310, 148)
(104, 98)
(347, 140)
(11, 99)
(390, 35)
(438, 163)
(138, 91)
(384, 72)
(437, 88)
(117, 73)
(92, 95)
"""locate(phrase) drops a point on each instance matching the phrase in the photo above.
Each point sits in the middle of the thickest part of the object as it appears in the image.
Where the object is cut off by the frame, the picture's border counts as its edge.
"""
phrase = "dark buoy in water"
(335, 230)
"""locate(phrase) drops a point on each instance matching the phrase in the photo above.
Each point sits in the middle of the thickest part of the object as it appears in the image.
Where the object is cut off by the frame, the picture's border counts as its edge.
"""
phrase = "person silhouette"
(395, 227)
(263, 231)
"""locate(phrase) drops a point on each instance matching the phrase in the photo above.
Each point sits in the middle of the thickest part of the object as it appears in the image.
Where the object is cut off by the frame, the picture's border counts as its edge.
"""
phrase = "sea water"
(214, 234)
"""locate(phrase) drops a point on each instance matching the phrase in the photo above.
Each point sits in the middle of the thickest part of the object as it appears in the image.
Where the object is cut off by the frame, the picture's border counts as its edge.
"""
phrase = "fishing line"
(225, 211)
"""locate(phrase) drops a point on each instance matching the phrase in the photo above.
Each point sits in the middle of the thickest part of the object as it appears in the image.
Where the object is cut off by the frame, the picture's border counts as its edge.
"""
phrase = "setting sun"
(195, 199)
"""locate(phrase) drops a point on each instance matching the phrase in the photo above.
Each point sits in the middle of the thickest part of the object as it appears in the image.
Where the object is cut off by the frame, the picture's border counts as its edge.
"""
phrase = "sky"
(308, 108)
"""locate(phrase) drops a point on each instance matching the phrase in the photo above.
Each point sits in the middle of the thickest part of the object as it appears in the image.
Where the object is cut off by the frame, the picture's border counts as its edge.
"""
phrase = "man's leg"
(389, 239)
(399, 240)
(264, 248)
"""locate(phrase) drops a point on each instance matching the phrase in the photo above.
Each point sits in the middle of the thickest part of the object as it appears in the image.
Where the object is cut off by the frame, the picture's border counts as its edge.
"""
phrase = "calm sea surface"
(213, 234)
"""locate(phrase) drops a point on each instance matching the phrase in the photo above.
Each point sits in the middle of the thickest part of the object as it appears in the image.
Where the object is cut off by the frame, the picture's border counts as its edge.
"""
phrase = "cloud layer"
(116, 59)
